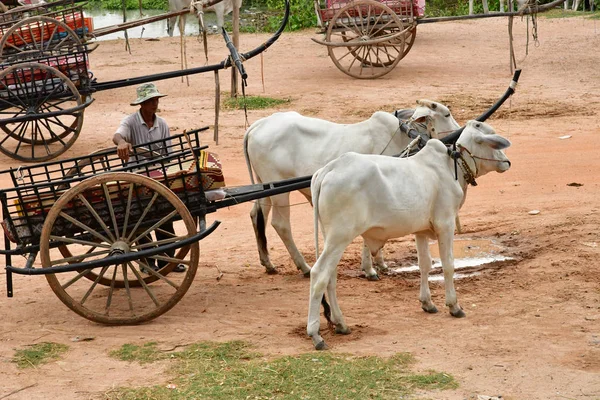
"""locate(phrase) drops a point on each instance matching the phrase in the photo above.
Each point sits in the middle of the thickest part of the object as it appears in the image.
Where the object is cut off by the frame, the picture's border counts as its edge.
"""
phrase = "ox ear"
(496, 142)
(404, 114)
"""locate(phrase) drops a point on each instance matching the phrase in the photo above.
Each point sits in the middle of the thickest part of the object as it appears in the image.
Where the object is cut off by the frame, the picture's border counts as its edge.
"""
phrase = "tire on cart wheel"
(47, 96)
(101, 228)
(366, 24)
(19, 41)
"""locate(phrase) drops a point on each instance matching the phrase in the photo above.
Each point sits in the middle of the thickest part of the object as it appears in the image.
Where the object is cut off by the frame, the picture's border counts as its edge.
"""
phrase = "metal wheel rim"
(108, 296)
(58, 133)
(384, 56)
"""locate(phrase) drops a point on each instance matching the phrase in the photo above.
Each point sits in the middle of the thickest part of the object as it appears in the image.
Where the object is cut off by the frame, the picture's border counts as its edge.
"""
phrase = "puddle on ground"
(468, 253)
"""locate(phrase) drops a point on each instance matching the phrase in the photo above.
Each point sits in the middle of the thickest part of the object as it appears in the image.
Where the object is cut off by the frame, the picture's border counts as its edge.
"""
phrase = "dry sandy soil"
(533, 324)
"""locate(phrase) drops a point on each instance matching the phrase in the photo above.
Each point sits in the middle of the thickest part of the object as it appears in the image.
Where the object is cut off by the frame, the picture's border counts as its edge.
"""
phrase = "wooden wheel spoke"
(127, 290)
(170, 259)
(110, 208)
(84, 227)
(93, 285)
(146, 210)
(144, 285)
(52, 134)
(156, 225)
(129, 197)
(7, 136)
(96, 216)
(75, 278)
(52, 35)
(80, 258)
(22, 134)
(110, 291)
(158, 275)
(156, 243)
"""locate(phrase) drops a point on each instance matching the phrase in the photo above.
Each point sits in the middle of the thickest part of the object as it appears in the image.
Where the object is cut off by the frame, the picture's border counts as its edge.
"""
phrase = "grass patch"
(252, 102)
(39, 353)
(233, 370)
(144, 354)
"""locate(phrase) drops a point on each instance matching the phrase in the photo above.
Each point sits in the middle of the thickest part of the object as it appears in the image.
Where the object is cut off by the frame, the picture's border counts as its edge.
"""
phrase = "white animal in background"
(221, 9)
(380, 198)
(486, 9)
(289, 145)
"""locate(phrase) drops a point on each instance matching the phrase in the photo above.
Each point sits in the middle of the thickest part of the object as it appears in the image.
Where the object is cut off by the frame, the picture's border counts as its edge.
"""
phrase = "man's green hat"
(145, 92)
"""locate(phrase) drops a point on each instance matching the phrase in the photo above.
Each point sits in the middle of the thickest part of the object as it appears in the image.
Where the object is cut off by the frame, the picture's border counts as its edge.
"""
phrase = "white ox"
(221, 9)
(380, 198)
(289, 145)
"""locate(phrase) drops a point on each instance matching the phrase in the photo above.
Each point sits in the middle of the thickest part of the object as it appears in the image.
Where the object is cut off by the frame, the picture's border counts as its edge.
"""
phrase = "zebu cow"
(288, 145)
(221, 9)
(381, 198)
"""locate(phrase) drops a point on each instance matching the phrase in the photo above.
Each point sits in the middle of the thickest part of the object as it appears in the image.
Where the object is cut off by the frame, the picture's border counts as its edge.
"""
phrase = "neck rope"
(459, 160)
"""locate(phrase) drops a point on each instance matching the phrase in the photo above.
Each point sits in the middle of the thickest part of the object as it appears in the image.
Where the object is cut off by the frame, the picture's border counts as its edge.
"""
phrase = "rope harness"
(459, 161)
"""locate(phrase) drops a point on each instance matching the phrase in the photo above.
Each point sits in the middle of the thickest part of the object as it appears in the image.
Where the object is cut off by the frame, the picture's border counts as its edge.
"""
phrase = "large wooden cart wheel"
(365, 39)
(35, 104)
(409, 39)
(37, 37)
(101, 161)
(111, 214)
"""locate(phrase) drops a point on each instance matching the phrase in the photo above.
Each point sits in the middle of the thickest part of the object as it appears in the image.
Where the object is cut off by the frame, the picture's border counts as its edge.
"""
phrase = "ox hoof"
(458, 313)
(272, 271)
(429, 309)
(342, 330)
(373, 277)
(321, 345)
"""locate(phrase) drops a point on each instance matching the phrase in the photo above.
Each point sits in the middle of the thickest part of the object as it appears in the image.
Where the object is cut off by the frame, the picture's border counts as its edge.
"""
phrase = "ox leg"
(367, 264)
(486, 9)
(171, 25)
(470, 7)
(425, 266)
(321, 275)
(445, 242)
(259, 216)
(281, 223)
(336, 313)
(380, 264)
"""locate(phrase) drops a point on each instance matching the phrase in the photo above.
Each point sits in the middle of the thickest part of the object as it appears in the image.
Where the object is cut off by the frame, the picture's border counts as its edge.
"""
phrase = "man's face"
(150, 105)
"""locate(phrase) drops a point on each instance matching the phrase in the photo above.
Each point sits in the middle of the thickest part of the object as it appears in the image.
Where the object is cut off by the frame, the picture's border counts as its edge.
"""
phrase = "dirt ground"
(533, 324)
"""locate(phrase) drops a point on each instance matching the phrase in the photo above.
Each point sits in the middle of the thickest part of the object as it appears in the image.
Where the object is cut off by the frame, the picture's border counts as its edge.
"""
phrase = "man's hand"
(123, 150)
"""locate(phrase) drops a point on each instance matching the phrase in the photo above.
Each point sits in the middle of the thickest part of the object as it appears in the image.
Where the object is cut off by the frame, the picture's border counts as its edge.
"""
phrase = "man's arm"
(123, 146)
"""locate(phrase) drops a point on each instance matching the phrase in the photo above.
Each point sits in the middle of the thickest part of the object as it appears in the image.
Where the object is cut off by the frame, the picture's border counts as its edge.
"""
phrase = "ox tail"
(315, 189)
(246, 155)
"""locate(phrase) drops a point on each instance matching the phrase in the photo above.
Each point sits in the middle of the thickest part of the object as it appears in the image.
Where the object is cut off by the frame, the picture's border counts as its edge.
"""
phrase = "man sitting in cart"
(141, 127)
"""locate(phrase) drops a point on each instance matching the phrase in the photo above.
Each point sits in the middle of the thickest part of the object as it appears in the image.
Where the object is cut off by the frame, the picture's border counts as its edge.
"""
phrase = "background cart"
(45, 82)
(366, 39)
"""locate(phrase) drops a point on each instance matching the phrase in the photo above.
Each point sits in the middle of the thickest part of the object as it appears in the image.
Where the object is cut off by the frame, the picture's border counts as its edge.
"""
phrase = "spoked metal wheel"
(40, 112)
(365, 39)
(37, 37)
(109, 215)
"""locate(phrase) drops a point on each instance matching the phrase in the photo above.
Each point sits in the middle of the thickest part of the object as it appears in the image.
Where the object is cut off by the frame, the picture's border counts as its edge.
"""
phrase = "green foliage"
(129, 4)
(233, 370)
(302, 14)
(37, 354)
(252, 102)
